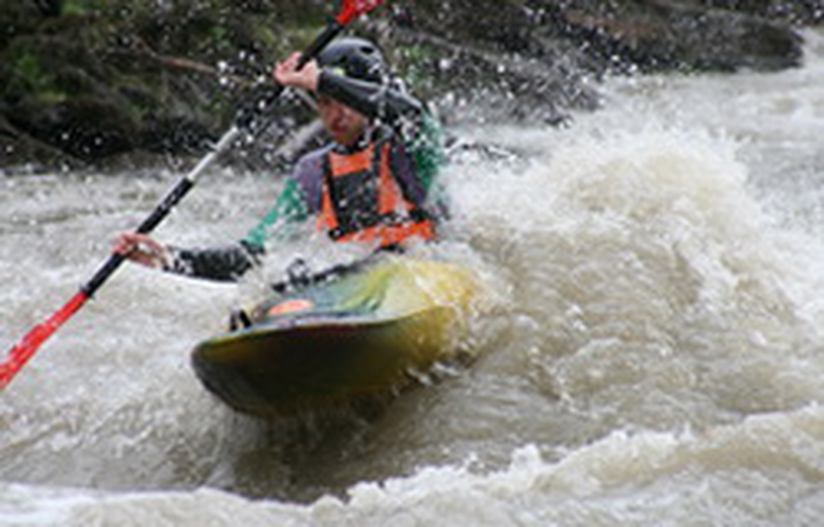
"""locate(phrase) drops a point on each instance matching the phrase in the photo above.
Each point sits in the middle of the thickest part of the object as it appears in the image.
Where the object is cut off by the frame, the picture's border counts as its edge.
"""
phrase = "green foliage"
(219, 39)
(28, 77)
(79, 7)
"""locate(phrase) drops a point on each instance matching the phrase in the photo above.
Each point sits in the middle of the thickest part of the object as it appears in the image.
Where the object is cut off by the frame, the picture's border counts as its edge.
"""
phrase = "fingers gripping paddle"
(28, 346)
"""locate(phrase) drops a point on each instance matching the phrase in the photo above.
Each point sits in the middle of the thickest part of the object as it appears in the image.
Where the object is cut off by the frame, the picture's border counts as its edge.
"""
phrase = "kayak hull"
(367, 334)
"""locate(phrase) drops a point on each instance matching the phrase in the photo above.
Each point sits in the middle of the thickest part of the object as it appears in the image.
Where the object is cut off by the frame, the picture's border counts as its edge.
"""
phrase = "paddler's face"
(343, 123)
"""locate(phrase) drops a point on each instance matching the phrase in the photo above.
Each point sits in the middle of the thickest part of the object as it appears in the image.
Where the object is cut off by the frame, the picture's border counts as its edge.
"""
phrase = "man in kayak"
(374, 184)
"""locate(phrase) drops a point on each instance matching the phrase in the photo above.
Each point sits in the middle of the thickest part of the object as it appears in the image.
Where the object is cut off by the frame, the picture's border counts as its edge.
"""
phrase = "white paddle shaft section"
(209, 158)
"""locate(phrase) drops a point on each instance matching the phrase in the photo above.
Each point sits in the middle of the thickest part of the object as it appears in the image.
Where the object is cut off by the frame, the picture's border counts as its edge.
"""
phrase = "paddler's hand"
(143, 250)
(287, 73)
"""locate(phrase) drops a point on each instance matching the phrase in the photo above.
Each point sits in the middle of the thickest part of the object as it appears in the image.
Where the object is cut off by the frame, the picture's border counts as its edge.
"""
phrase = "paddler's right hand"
(286, 73)
(143, 249)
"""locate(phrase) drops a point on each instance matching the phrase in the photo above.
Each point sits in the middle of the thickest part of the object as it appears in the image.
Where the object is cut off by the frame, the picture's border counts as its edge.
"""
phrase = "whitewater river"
(652, 354)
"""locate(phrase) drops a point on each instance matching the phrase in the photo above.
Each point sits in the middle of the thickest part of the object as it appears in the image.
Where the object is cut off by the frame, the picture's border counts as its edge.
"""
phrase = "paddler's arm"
(231, 262)
(289, 208)
(425, 147)
(223, 263)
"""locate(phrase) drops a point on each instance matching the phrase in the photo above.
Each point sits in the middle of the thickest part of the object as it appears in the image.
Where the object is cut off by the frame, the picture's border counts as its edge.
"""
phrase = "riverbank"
(108, 85)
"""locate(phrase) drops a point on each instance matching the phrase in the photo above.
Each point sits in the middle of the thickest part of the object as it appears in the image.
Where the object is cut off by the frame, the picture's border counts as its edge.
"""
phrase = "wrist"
(165, 258)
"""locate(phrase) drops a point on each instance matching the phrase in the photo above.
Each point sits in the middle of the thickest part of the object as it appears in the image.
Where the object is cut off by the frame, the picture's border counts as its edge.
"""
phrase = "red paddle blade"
(351, 9)
(23, 351)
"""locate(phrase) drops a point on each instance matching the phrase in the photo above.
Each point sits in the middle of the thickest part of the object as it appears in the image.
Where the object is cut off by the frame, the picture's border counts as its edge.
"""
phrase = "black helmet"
(354, 57)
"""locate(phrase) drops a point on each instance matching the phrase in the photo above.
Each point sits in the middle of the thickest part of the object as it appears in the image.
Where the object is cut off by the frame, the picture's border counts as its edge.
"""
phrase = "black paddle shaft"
(160, 212)
(254, 115)
(329, 33)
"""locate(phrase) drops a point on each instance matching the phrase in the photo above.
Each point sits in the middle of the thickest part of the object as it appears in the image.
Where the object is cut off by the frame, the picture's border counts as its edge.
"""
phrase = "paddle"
(248, 121)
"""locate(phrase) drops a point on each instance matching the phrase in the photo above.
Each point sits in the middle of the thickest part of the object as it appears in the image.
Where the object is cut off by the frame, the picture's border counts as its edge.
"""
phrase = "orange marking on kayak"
(290, 306)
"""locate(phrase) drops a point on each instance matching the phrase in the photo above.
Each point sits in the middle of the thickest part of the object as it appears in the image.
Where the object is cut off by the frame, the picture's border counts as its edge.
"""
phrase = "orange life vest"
(359, 203)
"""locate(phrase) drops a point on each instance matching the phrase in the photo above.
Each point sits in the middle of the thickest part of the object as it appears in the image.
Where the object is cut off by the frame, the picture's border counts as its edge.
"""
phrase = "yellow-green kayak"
(368, 333)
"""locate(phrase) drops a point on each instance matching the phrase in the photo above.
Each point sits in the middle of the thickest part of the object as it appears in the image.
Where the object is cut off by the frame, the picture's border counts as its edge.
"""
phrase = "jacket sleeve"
(289, 207)
(224, 264)
(229, 263)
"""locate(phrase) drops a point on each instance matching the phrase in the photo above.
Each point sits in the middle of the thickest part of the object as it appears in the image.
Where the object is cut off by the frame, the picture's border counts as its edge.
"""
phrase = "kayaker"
(374, 184)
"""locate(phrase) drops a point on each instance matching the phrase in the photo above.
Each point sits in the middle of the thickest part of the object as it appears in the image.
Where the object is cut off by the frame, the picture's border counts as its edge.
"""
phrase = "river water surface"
(653, 353)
